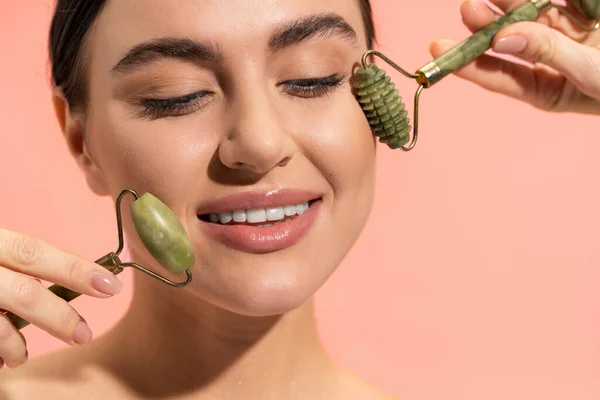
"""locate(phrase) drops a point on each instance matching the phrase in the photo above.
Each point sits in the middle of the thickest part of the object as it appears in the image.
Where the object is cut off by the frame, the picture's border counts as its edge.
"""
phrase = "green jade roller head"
(381, 102)
(161, 233)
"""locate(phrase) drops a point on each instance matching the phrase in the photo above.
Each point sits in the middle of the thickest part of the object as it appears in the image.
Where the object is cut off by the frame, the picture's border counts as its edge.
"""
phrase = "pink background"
(477, 276)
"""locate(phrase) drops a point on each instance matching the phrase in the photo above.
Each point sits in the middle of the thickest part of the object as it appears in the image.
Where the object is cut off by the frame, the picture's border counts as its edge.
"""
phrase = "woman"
(214, 108)
(219, 108)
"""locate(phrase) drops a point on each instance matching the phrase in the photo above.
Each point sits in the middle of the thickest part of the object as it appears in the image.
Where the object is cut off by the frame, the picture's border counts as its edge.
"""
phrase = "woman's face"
(223, 106)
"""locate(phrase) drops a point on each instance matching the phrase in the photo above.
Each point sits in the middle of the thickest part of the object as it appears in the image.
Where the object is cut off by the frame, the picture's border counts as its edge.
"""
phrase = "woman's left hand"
(565, 76)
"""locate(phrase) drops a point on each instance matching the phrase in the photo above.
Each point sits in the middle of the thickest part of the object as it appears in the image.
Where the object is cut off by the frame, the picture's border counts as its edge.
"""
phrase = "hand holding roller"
(161, 233)
(381, 102)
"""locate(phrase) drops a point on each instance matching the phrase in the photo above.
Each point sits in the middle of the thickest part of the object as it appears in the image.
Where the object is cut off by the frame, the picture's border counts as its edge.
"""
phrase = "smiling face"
(218, 107)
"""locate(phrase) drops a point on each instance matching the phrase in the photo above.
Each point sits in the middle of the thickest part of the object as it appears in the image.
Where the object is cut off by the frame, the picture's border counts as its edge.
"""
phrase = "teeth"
(255, 216)
(225, 218)
(259, 215)
(239, 216)
(300, 209)
(275, 214)
(289, 210)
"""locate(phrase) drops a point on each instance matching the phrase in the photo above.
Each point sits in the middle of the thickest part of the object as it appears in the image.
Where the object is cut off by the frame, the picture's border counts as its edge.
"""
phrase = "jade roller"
(159, 230)
(379, 97)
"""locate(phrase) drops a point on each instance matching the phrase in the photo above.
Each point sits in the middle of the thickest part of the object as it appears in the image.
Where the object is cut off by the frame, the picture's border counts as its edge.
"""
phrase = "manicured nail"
(106, 283)
(83, 333)
(510, 45)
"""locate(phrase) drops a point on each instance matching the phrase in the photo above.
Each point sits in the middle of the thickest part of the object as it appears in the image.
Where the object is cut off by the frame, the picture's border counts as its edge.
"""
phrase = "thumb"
(539, 43)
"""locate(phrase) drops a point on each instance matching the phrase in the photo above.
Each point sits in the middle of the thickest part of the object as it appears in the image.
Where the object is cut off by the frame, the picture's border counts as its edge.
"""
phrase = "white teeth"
(300, 209)
(256, 216)
(239, 216)
(259, 215)
(226, 217)
(275, 214)
(289, 210)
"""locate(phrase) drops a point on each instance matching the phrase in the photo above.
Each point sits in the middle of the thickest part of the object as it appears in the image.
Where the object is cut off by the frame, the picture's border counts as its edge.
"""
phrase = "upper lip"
(257, 200)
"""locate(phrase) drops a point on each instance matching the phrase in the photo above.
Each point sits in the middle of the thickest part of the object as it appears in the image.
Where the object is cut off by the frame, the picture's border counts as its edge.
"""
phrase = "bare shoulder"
(60, 375)
(40, 377)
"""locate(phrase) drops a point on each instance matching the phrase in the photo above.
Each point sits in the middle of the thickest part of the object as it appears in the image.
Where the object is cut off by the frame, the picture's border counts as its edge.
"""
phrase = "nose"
(256, 140)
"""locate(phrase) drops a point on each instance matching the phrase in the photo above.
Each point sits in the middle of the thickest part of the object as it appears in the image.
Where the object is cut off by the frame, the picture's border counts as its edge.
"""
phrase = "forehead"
(229, 24)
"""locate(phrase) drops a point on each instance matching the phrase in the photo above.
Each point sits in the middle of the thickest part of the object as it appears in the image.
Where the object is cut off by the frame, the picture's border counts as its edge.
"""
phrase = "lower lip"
(253, 239)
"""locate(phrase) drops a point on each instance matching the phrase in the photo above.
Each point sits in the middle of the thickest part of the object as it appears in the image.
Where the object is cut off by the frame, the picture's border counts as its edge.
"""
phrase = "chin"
(267, 289)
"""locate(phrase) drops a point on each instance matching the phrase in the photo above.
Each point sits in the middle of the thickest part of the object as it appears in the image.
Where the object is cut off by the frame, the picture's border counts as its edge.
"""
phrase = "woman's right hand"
(24, 261)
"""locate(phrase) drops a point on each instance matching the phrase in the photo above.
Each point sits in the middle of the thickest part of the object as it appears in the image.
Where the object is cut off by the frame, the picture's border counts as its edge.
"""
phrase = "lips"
(260, 222)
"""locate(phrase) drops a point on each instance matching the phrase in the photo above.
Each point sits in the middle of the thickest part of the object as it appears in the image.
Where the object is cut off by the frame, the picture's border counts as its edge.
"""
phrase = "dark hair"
(71, 24)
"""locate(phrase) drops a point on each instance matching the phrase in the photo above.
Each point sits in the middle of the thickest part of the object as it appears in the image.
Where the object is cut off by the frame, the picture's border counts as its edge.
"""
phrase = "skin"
(245, 326)
(565, 75)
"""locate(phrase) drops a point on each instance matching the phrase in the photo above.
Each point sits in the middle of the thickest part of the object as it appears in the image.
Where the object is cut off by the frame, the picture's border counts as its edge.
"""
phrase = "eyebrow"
(321, 25)
(167, 48)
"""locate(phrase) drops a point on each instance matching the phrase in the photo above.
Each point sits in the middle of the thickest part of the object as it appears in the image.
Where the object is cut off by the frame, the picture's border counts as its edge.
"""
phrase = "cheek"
(341, 145)
(163, 157)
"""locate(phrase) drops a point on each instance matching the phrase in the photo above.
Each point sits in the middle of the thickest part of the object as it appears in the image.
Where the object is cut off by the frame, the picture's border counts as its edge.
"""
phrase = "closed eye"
(174, 106)
(313, 87)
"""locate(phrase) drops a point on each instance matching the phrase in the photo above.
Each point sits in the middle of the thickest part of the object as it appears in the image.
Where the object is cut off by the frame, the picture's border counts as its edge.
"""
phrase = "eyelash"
(315, 87)
(172, 107)
(177, 106)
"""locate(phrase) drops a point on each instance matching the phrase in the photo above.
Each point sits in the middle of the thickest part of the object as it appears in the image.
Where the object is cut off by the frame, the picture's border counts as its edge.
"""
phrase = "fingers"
(540, 87)
(23, 262)
(538, 43)
(476, 14)
(488, 72)
(491, 73)
(38, 259)
(559, 61)
(13, 348)
(508, 5)
(29, 299)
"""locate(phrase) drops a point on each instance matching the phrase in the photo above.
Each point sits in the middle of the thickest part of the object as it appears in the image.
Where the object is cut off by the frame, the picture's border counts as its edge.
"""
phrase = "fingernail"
(510, 45)
(83, 333)
(106, 283)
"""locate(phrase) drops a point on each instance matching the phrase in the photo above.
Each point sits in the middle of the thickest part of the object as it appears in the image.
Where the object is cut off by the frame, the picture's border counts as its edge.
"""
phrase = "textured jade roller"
(161, 233)
(381, 102)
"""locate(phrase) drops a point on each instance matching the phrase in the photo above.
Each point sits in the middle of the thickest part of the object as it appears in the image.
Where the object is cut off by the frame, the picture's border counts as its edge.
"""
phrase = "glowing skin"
(245, 324)
(236, 139)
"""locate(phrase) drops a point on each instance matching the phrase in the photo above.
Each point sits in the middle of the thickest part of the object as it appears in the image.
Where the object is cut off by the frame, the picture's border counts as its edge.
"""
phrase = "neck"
(171, 343)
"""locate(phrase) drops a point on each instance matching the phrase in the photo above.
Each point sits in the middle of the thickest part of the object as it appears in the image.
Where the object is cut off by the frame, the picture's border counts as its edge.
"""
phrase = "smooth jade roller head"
(382, 106)
(162, 233)
(588, 8)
